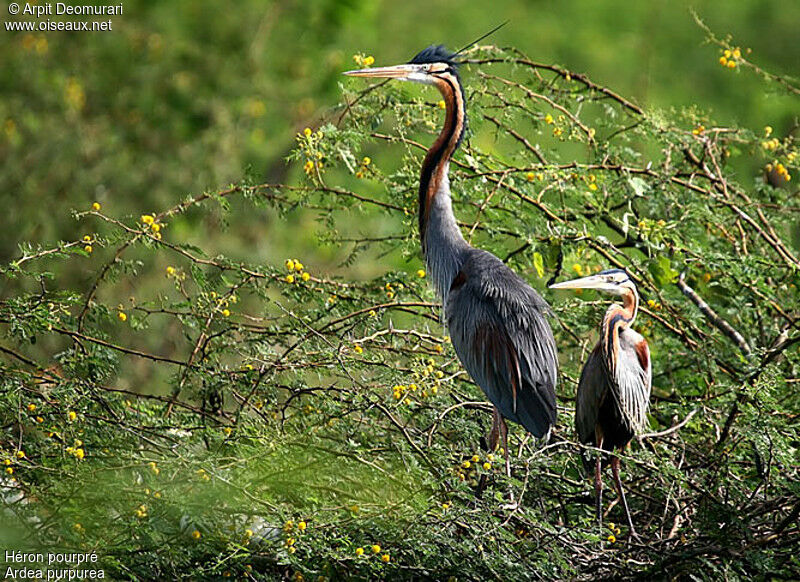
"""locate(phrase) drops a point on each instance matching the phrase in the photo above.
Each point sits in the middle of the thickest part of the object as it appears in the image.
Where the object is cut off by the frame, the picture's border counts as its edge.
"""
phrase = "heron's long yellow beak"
(599, 282)
(394, 72)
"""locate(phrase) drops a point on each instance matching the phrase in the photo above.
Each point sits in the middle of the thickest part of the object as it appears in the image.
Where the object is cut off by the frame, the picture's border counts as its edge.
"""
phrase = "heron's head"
(615, 281)
(429, 67)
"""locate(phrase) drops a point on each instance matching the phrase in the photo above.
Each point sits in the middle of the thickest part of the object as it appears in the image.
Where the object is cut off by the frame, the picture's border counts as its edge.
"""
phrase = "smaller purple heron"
(614, 389)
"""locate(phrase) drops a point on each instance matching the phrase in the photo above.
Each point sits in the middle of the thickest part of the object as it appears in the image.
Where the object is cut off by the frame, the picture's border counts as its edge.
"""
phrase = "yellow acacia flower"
(421, 273)
(31, 407)
(96, 206)
(226, 313)
(147, 219)
(88, 249)
(307, 132)
(170, 271)
(548, 119)
(385, 558)
(441, 104)
(196, 535)
(366, 161)
(487, 466)
(290, 264)
(308, 167)
(122, 316)
(290, 278)
(358, 349)
(359, 551)
(376, 549)
(71, 415)
(305, 276)
(301, 525)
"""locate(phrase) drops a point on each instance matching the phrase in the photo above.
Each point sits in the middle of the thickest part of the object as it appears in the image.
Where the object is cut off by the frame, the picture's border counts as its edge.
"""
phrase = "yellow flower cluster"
(376, 549)
(74, 95)
(309, 140)
(202, 475)
(699, 130)
(37, 44)
(295, 266)
(654, 305)
(151, 223)
(771, 144)
(363, 61)
(780, 169)
(614, 532)
(730, 57)
(365, 162)
(469, 468)
(76, 450)
(141, 511)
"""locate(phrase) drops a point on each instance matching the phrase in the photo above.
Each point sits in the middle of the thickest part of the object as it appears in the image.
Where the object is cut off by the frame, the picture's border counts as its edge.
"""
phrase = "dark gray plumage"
(496, 320)
(498, 328)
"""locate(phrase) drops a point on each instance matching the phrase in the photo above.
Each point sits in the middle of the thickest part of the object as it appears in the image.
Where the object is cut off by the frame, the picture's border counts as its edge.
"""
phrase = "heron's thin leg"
(598, 479)
(618, 483)
(598, 490)
(504, 435)
(494, 436)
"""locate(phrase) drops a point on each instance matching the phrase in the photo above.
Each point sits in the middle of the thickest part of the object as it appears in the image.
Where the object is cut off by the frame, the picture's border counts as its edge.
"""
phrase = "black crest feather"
(437, 53)
(434, 54)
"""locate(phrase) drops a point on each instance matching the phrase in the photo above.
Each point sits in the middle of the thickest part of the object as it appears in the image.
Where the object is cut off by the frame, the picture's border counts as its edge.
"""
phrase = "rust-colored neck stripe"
(438, 156)
(618, 317)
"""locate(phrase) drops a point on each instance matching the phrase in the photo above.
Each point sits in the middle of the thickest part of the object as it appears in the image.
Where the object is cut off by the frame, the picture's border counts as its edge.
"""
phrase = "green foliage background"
(180, 405)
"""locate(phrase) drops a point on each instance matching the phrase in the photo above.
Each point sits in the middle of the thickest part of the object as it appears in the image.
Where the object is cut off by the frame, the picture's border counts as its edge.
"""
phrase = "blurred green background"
(188, 96)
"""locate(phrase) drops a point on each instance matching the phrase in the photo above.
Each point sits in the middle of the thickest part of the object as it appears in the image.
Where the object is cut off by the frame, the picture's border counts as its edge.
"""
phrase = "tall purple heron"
(614, 388)
(496, 320)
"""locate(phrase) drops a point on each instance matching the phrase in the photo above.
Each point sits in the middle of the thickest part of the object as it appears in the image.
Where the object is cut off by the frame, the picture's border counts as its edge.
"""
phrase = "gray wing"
(615, 403)
(633, 379)
(592, 389)
(499, 331)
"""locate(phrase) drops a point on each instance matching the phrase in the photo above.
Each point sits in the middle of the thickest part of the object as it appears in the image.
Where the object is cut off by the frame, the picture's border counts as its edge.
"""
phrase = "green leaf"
(538, 264)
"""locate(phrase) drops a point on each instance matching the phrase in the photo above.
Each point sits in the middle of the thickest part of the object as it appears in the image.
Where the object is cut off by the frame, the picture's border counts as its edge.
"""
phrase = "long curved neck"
(441, 239)
(617, 318)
